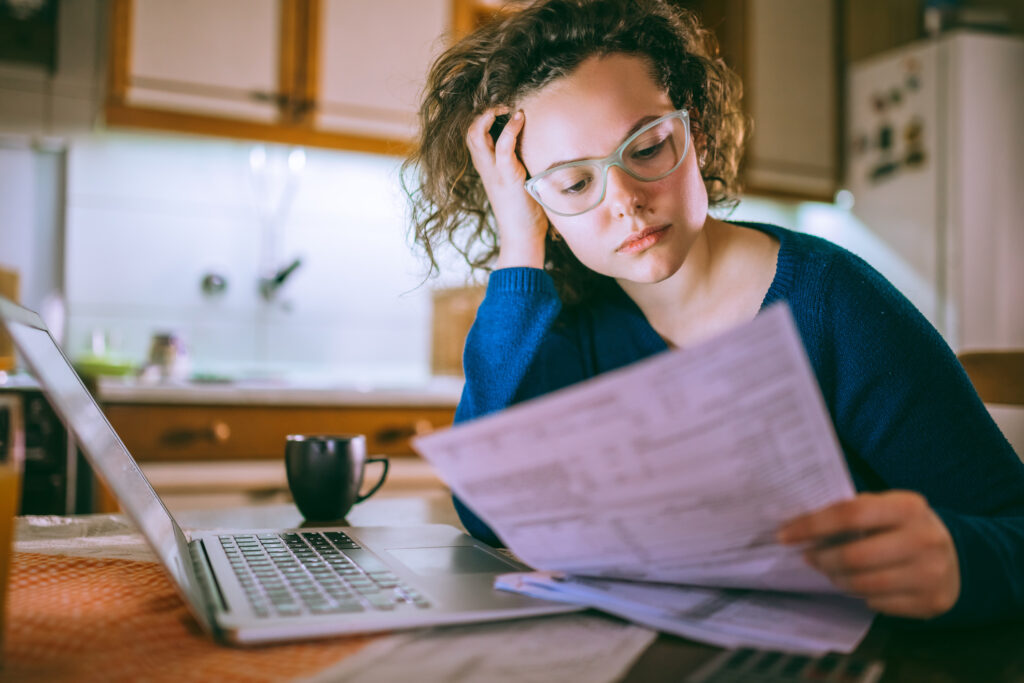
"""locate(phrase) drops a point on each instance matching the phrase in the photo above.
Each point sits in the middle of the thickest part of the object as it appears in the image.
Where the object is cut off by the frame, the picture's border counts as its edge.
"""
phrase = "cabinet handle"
(390, 435)
(218, 432)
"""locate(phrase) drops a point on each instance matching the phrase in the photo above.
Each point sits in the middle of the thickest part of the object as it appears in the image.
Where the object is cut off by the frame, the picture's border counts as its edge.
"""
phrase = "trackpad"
(453, 560)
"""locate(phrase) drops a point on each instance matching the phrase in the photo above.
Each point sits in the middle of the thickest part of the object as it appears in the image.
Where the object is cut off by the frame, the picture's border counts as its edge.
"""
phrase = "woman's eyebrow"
(643, 121)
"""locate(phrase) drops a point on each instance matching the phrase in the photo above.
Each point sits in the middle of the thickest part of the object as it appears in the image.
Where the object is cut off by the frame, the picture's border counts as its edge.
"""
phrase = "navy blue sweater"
(905, 412)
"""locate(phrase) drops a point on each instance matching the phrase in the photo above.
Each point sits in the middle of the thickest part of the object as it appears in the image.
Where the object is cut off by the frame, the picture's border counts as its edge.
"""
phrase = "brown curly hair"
(521, 52)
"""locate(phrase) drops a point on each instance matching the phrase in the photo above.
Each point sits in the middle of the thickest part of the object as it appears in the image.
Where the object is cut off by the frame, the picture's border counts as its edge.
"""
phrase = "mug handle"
(380, 482)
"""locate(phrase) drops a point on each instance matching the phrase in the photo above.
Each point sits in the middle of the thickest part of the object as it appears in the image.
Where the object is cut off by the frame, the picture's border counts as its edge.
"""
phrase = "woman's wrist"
(521, 256)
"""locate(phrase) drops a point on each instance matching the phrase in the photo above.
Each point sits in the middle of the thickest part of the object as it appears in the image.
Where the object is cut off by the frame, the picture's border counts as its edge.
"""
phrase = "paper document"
(676, 469)
(811, 624)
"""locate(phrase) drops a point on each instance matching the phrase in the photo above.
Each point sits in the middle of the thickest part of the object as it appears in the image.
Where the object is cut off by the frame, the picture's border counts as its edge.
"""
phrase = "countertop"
(441, 392)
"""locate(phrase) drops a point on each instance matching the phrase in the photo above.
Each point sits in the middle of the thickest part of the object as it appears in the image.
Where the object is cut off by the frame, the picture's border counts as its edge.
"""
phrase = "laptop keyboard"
(292, 574)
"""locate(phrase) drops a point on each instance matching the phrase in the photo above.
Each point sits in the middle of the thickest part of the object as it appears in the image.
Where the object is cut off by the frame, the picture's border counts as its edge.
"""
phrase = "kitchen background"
(227, 172)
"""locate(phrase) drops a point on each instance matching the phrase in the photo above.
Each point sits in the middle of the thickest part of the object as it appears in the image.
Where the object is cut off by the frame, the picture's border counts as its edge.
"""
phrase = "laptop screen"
(101, 445)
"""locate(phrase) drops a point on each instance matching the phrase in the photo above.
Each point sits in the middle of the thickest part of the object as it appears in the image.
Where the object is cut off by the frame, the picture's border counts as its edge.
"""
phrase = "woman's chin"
(651, 272)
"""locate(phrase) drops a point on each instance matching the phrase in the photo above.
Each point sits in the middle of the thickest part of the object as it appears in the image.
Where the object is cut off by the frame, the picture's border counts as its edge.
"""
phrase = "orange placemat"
(88, 619)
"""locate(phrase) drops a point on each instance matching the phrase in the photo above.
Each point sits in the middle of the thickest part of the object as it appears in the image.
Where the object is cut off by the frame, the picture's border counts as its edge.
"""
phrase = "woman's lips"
(643, 239)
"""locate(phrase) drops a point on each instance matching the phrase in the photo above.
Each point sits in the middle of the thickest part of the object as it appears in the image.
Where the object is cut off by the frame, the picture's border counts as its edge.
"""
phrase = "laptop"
(271, 585)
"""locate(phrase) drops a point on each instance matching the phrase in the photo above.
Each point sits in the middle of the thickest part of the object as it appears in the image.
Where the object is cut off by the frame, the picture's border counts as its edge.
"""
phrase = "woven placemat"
(91, 619)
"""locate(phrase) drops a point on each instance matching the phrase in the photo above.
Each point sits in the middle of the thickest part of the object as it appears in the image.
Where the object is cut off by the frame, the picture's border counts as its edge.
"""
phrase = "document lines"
(678, 469)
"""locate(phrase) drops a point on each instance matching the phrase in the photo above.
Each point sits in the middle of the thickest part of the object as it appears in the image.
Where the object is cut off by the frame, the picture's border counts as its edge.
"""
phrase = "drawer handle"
(390, 435)
(218, 432)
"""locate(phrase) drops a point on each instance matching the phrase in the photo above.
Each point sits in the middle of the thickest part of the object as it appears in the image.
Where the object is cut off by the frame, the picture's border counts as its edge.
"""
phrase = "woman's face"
(641, 231)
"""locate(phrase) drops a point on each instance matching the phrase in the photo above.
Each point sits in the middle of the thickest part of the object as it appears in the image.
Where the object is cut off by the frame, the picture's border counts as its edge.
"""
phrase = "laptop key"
(291, 610)
(381, 601)
(347, 606)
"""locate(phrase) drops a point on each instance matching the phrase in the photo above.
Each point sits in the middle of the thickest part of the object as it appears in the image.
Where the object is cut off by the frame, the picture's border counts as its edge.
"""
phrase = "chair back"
(998, 376)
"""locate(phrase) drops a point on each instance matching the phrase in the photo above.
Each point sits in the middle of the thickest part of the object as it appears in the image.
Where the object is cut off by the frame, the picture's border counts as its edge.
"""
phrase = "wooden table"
(990, 654)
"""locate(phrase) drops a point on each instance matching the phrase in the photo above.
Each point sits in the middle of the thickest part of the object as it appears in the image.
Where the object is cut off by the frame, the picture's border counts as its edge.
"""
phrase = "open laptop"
(269, 585)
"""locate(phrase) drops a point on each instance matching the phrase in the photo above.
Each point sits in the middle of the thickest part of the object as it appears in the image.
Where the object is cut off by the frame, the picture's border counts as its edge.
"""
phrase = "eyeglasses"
(651, 153)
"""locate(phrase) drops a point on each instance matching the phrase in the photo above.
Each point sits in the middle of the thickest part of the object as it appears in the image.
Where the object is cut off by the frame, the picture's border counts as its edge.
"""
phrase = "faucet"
(270, 285)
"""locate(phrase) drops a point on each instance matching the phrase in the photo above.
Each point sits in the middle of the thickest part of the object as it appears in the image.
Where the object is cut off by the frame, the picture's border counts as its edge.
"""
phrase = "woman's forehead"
(589, 112)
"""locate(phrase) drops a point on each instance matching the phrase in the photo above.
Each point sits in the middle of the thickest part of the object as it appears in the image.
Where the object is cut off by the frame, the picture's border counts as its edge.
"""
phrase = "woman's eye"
(577, 187)
(648, 151)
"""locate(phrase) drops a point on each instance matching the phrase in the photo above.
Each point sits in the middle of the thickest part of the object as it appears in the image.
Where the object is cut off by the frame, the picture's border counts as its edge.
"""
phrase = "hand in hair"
(522, 224)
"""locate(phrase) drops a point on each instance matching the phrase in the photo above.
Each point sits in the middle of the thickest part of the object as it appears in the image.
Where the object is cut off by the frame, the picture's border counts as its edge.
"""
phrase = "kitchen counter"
(441, 392)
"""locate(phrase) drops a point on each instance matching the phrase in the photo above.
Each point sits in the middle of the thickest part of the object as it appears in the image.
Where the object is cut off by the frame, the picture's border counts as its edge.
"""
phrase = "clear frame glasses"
(649, 154)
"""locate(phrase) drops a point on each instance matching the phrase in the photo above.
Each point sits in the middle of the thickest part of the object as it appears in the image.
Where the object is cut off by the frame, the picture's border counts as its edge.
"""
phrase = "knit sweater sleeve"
(514, 351)
(905, 407)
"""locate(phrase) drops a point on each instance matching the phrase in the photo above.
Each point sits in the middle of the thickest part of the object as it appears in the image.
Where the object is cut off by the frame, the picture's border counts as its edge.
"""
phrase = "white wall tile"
(149, 215)
(153, 261)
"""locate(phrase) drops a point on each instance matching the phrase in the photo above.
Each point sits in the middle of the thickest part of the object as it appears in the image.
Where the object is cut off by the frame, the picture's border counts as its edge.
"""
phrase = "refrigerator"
(935, 165)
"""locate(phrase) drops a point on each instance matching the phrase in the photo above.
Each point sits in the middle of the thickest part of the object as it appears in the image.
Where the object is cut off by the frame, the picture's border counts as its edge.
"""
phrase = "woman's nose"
(626, 196)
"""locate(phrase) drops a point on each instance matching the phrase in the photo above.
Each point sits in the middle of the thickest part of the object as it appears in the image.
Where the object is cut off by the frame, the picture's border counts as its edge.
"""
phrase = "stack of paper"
(794, 622)
(676, 470)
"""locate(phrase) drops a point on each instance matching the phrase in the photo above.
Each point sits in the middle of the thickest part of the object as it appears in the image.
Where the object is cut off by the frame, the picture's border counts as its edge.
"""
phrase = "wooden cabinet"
(373, 59)
(792, 77)
(331, 73)
(209, 58)
(787, 52)
(157, 432)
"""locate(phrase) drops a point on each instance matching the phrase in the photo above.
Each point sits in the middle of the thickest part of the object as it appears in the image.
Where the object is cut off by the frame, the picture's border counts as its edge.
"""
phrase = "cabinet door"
(792, 84)
(227, 432)
(373, 60)
(214, 58)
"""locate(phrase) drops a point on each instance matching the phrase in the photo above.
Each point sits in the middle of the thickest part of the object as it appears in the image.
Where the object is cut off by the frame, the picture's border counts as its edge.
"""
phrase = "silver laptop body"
(383, 578)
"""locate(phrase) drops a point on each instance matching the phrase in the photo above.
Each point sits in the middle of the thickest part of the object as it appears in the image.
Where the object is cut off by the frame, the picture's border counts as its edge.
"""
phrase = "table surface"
(993, 653)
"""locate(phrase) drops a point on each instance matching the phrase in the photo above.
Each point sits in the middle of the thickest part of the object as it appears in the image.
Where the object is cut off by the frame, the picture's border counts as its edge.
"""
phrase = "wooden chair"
(998, 376)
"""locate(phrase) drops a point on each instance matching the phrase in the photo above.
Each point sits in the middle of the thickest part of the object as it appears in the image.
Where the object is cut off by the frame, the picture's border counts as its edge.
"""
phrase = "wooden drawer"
(216, 432)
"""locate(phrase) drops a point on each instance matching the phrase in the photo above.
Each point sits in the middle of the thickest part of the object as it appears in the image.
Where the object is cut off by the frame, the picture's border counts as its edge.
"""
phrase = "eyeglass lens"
(652, 155)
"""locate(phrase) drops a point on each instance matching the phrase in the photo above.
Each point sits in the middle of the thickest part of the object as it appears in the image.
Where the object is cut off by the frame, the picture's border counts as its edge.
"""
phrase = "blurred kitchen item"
(934, 165)
(168, 358)
(325, 474)
(213, 284)
(9, 290)
(270, 285)
(103, 357)
(274, 173)
(453, 312)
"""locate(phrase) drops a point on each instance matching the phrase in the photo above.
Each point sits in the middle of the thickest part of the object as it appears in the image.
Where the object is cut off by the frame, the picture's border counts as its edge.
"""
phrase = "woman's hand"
(522, 224)
(889, 548)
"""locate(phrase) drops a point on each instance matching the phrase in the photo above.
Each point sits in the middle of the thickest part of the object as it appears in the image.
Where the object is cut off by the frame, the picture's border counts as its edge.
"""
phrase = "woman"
(575, 148)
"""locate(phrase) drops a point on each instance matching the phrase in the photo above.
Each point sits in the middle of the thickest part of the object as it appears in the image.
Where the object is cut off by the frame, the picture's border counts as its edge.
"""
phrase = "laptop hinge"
(210, 586)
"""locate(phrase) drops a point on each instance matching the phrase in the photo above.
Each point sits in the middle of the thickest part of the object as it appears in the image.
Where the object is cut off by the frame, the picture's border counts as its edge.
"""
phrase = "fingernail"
(518, 115)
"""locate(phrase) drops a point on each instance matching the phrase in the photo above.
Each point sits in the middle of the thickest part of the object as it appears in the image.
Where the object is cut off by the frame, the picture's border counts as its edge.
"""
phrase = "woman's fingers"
(912, 605)
(867, 552)
(521, 222)
(866, 512)
(478, 137)
(505, 148)
(889, 548)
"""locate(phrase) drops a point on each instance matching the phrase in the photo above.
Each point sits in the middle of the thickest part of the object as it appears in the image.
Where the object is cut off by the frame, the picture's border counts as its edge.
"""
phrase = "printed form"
(677, 469)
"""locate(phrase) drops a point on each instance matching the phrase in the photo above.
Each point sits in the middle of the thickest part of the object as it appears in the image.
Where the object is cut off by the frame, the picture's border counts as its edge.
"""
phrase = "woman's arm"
(903, 406)
(513, 352)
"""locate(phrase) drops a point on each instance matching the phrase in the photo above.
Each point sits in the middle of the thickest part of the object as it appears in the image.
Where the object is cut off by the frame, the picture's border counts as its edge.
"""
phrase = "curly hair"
(521, 52)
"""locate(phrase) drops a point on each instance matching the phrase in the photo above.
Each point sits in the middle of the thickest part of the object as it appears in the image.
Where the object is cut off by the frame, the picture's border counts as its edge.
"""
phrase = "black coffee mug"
(325, 474)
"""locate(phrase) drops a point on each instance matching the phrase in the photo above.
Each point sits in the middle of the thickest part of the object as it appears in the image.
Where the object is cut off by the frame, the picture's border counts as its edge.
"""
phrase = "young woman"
(574, 149)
